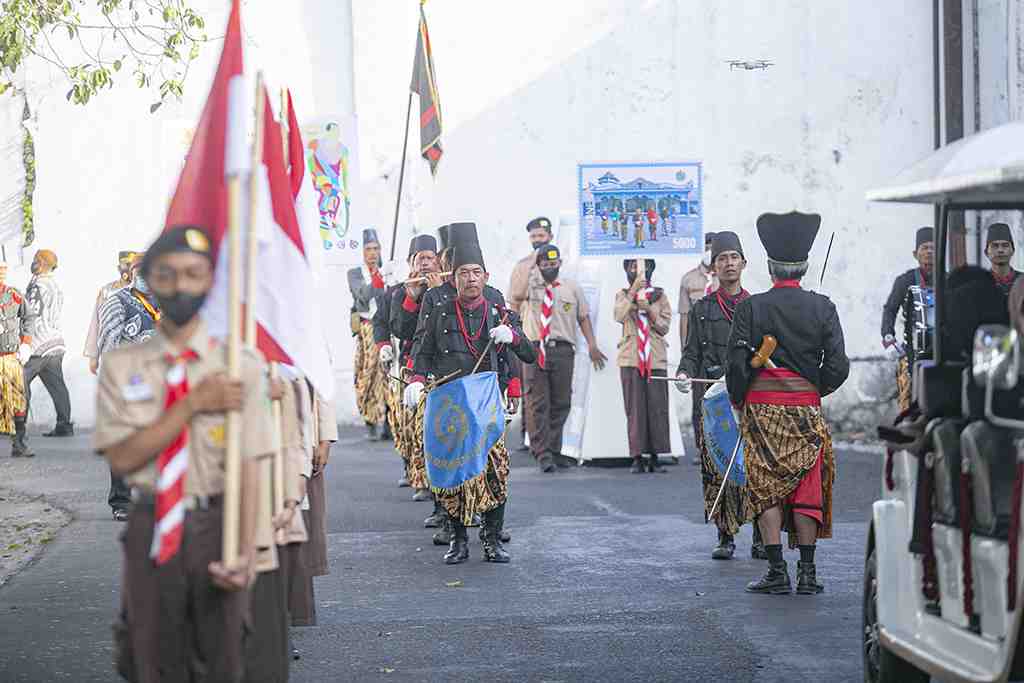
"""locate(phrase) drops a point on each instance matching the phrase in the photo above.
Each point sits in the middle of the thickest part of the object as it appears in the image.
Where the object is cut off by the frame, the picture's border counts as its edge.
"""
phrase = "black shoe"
(504, 536)
(385, 433)
(726, 548)
(806, 579)
(442, 537)
(120, 515)
(494, 551)
(62, 430)
(295, 654)
(638, 466)
(564, 461)
(546, 463)
(653, 466)
(758, 552)
(774, 582)
(371, 432)
(435, 520)
(403, 483)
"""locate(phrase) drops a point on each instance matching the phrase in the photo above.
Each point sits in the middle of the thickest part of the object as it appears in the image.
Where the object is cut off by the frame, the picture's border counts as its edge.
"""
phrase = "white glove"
(412, 394)
(388, 271)
(24, 353)
(387, 354)
(684, 384)
(502, 334)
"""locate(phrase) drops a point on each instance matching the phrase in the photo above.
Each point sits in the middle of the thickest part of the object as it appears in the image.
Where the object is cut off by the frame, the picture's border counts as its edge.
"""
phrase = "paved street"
(610, 581)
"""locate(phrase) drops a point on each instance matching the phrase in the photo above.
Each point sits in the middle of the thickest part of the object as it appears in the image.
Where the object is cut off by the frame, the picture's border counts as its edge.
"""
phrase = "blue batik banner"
(463, 420)
(722, 432)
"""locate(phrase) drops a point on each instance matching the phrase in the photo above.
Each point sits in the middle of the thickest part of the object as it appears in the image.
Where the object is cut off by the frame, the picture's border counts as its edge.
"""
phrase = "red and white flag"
(288, 323)
(307, 208)
(219, 147)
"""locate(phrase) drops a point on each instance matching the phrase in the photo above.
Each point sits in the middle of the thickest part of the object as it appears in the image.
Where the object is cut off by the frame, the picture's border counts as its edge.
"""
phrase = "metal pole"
(401, 177)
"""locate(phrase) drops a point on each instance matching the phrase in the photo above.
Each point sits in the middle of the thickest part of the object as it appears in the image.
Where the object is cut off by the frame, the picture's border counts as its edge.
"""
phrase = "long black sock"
(806, 553)
(774, 553)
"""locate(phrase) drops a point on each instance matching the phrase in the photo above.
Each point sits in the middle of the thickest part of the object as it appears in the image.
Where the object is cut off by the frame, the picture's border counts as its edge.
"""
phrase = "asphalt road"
(610, 580)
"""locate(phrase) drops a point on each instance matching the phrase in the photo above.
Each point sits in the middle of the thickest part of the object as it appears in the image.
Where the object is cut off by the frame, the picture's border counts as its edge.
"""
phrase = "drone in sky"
(748, 64)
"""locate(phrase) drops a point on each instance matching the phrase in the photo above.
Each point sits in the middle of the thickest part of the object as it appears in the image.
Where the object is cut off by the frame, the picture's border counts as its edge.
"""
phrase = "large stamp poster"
(640, 209)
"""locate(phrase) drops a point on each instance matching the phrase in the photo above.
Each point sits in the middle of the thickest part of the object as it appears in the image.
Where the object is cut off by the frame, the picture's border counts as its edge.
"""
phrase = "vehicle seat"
(992, 458)
(945, 442)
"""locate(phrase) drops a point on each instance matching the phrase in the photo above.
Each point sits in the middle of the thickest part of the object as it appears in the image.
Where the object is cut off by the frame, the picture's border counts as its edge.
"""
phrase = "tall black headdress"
(998, 232)
(924, 236)
(422, 243)
(788, 237)
(370, 236)
(725, 241)
(442, 236)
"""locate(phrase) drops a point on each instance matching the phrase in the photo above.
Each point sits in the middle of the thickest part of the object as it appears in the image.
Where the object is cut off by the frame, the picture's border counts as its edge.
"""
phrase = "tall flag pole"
(209, 196)
(424, 84)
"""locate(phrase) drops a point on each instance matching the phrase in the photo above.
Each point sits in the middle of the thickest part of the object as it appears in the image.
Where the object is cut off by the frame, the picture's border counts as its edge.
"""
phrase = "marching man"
(705, 356)
(787, 444)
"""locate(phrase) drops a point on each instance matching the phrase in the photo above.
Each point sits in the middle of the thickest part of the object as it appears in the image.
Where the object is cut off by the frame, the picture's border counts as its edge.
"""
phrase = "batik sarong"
(416, 469)
(371, 382)
(483, 493)
(396, 415)
(732, 508)
(12, 392)
(786, 442)
(903, 383)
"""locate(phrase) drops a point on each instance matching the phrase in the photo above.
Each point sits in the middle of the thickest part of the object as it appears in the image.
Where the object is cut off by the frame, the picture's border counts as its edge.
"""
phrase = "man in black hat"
(396, 317)
(900, 299)
(695, 285)
(452, 336)
(705, 356)
(367, 285)
(556, 306)
(999, 249)
(790, 465)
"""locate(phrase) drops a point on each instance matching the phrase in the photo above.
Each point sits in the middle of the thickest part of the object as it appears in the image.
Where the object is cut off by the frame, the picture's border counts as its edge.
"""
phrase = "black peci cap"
(998, 232)
(725, 241)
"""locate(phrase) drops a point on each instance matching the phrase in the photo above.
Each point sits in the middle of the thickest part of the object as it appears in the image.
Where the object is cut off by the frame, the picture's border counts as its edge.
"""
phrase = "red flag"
(425, 85)
(288, 324)
(219, 147)
(296, 150)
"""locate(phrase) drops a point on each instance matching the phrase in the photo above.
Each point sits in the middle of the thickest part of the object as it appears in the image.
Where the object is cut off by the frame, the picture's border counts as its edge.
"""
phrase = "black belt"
(552, 343)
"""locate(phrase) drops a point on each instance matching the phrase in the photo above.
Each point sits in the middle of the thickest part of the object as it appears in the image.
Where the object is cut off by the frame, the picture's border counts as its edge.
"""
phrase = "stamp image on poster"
(640, 209)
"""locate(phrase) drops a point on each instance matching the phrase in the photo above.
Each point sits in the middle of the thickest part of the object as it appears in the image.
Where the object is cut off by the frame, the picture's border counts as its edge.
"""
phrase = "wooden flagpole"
(233, 458)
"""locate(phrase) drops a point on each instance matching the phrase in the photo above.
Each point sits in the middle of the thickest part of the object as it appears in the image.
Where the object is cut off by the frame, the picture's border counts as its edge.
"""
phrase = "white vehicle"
(943, 568)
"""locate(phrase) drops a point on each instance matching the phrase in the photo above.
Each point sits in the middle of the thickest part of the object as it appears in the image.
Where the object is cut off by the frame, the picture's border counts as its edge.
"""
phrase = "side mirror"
(996, 360)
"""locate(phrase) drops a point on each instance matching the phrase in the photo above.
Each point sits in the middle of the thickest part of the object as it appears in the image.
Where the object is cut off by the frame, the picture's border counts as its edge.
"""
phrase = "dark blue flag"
(463, 420)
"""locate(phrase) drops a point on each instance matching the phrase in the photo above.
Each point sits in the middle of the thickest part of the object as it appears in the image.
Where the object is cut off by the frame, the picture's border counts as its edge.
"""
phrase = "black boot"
(638, 465)
(443, 536)
(494, 551)
(458, 550)
(806, 579)
(776, 581)
(757, 550)
(653, 466)
(385, 432)
(62, 429)
(545, 462)
(436, 518)
(371, 431)
(725, 549)
(19, 446)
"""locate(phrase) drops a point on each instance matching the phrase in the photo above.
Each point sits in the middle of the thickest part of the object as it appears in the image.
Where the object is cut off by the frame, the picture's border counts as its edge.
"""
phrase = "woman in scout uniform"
(160, 422)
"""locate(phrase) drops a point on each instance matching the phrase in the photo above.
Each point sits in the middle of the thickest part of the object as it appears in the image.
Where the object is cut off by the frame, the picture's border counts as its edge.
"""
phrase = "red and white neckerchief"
(545, 322)
(171, 467)
(643, 336)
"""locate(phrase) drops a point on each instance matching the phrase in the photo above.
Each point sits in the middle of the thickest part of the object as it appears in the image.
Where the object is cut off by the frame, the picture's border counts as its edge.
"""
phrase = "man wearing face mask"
(555, 307)
(46, 301)
(161, 414)
(695, 285)
(125, 259)
(129, 316)
(645, 314)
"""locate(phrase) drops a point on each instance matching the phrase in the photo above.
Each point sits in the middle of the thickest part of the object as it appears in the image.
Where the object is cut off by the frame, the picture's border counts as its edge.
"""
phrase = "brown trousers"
(646, 412)
(175, 624)
(549, 398)
(298, 585)
(316, 548)
(266, 650)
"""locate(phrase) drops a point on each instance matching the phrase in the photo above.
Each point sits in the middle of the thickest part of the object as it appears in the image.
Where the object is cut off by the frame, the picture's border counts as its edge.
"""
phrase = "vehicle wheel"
(880, 665)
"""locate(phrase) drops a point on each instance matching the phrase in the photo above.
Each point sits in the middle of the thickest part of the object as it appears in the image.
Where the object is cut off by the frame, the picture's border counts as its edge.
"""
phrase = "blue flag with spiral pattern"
(463, 420)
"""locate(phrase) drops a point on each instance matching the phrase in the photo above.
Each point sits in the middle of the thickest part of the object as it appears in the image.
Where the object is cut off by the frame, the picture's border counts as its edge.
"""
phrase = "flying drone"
(748, 65)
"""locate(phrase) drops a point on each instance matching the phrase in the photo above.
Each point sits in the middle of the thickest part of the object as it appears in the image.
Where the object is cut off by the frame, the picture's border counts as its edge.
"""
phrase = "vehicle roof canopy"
(986, 168)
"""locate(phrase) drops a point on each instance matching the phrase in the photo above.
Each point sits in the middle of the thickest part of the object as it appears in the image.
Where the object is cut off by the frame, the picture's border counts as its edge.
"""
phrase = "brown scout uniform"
(549, 391)
(267, 650)
(176, 625)
(695, 285)
(646, 402)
